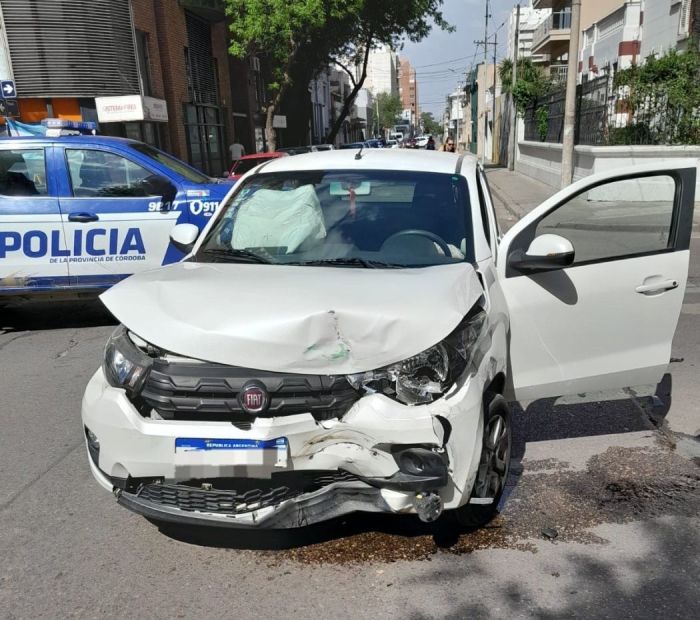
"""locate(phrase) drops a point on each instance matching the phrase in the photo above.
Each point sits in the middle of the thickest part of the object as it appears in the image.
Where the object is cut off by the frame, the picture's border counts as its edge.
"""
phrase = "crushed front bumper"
(366, 443)
(322, 505)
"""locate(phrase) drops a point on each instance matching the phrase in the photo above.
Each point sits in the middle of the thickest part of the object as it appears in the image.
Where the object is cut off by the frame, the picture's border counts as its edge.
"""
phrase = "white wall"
(542, 160)
(660, 28)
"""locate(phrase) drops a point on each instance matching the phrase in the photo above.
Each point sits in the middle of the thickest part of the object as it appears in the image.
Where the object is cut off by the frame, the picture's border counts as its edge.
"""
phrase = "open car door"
(594, 280)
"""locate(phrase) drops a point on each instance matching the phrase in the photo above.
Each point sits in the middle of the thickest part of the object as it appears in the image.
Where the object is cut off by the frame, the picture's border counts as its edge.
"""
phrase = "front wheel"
(493, 466)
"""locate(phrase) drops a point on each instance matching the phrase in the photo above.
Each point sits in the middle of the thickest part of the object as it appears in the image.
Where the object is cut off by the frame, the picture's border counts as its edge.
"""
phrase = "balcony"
(558, 73)
(553, 34)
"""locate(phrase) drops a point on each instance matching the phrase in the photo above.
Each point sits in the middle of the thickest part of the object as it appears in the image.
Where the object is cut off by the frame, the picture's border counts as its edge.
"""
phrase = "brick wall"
(164, 22)
(219, 41)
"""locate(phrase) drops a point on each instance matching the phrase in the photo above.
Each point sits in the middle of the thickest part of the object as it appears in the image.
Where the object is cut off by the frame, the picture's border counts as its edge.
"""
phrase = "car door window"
(616, 220)
(107, 175)
(22, 172)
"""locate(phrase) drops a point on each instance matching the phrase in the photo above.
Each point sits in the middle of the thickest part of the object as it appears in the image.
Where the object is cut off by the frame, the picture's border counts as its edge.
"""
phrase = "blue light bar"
(59, 123)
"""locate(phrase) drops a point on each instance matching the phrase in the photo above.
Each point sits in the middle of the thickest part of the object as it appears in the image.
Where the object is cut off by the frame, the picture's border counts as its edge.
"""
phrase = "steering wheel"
(417, 232)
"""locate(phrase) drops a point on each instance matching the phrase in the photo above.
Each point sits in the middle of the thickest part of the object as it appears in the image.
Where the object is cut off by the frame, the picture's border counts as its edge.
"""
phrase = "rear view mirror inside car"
(342, 188)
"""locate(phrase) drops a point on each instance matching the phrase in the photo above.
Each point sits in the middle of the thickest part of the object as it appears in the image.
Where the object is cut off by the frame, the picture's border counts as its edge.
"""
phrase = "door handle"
(657, 287)
(83, 218)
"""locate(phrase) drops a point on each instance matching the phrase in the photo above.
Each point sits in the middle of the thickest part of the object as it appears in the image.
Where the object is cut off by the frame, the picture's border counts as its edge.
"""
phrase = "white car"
(392, 144)
(421, 142)
(347, 331)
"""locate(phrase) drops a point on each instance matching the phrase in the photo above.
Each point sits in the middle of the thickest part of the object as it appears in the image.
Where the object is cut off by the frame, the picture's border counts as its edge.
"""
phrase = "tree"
(662, 97)
(531, 84)
(299, 37)
(430, 125)
(282, 29)
(389, 110)
(385, 22)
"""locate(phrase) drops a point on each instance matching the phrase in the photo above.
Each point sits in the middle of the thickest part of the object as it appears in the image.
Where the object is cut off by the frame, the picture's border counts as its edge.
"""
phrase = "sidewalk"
(515, 194)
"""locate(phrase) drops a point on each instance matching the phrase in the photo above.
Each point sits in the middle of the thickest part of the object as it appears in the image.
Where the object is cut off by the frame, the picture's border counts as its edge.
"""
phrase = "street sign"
(7, 89)
(9, 107)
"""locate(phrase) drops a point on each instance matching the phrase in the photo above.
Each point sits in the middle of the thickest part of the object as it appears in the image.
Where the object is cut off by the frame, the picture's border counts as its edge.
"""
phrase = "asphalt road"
(601, 518)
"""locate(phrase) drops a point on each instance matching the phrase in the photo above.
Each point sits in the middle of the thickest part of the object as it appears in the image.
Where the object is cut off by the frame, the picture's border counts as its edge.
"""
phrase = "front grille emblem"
(253, 398)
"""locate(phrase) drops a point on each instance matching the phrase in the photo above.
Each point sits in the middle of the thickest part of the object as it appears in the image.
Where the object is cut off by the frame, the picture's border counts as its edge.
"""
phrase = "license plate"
(196, 451)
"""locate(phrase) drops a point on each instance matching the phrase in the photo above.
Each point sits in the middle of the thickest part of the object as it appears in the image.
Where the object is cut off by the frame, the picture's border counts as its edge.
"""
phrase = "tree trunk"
(350, 99)
(270, 133)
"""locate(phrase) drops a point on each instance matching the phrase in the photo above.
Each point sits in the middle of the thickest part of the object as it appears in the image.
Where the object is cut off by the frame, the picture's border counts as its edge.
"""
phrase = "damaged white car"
(347, 331)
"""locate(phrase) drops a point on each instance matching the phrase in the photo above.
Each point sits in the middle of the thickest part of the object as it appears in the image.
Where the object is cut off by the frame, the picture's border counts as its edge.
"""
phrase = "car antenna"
(358, 155)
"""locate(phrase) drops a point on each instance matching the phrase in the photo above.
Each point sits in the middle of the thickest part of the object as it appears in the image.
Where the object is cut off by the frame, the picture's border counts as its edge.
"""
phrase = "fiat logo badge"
(253, 398)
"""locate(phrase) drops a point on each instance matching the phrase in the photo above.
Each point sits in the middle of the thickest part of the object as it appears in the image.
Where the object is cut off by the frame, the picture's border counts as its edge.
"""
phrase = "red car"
(248, 162)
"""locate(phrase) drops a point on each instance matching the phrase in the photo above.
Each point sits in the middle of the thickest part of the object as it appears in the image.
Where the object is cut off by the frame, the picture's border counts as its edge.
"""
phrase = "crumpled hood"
(325, 320)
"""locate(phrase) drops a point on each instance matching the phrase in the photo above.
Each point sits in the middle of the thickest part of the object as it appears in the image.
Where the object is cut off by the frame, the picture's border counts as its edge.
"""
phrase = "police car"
(79, 213)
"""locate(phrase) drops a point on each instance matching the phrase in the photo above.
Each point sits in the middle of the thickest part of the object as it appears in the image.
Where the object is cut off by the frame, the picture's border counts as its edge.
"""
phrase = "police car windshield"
(358, 218)
(177, 166)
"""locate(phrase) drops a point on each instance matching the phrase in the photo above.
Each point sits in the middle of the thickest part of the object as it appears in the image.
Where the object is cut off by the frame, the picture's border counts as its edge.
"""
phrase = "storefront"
(132, 116)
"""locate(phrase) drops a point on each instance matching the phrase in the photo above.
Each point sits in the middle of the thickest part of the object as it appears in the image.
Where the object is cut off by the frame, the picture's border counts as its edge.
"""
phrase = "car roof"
(376, 159)
(94, 140)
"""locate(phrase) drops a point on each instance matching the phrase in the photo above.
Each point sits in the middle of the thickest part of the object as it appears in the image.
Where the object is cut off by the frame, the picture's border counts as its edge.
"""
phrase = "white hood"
(325, 320)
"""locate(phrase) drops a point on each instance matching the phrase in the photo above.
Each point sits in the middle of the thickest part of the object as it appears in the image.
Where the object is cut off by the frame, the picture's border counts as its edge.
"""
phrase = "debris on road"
(619, 485)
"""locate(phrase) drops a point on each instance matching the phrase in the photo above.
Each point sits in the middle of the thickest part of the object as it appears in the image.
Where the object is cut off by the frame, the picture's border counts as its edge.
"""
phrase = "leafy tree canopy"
(531, 82)
(389, 109)
(430, 125)
(300, 37)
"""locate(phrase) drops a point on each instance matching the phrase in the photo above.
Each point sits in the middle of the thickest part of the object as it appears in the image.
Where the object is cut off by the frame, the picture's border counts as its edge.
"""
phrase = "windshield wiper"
(235, 256)
(351, 262)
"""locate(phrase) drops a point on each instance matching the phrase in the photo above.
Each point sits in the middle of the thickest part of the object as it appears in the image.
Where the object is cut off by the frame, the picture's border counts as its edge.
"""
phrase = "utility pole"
(486, 64)
(493, 100)
(567, 155)
(513, 134)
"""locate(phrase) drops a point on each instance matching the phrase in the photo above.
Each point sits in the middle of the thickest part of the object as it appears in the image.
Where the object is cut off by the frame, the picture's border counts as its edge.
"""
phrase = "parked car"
(354, 145)
(374, 143)
(79, 213)
(295, 150)
(409, 143)
(248, 162)
(300, 150)
(392, 144)
(421, 142)
(347, 332)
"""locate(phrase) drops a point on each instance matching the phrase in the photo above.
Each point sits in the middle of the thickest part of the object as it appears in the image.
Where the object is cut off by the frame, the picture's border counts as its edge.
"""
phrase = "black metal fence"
(605, 115)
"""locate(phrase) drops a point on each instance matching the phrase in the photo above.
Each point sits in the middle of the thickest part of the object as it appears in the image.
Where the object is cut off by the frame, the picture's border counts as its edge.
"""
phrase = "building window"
(205, 139)
(144, 61)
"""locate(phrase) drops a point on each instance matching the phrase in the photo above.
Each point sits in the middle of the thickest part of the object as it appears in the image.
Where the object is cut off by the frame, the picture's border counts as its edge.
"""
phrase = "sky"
(442, 59)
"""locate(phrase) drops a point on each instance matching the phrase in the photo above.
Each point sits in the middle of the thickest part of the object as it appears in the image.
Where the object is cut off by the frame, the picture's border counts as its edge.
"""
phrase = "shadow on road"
(654, 581)
(45, 315)
(443, 534)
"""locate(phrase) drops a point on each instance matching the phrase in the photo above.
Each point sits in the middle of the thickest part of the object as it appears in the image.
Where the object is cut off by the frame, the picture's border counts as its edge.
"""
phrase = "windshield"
(244, 165)
(364, 218)
(177, 166)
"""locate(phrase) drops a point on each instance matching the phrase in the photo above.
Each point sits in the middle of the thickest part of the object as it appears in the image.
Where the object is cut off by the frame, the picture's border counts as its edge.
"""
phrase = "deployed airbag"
(283, 219)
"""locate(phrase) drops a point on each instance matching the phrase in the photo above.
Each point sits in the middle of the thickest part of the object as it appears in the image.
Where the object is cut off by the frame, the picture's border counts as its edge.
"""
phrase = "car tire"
(494, 464)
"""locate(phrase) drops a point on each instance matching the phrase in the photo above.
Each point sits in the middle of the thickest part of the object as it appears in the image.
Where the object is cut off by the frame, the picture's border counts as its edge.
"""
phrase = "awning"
(131, 108)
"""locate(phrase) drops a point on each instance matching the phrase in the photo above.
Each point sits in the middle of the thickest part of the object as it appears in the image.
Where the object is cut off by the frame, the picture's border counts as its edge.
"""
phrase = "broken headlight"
(424, 377)
(125, 364)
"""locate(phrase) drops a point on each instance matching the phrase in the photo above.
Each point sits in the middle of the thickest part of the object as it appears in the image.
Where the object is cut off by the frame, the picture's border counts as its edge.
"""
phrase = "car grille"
(251, 494)
(194, 391)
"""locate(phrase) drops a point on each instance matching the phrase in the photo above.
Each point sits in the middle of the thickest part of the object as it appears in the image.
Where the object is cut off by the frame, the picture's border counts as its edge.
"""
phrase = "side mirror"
(546, 253)
(183, 237)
